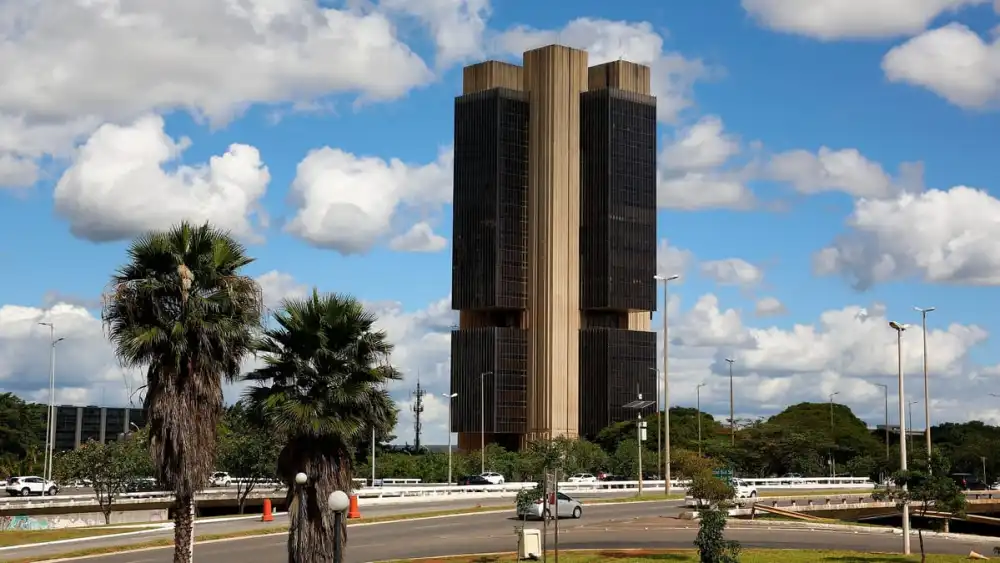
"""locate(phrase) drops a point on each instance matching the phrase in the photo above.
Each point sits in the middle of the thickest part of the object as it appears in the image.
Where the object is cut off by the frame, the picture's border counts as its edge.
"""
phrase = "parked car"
(743, 489)
(30, 485)
(220, 479)
(969, 482)
(568, 507)
(472, 480)
(144, 485)
(493, 477)
(583, 478)
(602, 476)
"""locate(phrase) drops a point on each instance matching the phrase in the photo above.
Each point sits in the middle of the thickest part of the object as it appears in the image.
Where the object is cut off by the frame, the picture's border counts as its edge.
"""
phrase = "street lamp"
(50, 433)
(449, 396)
(909, 434)
(885, 387)
(638, 405)
(665, 425)
(482, 420)
(732, 415)
(698, 392)
(902, 428)
(338, 502)
(833, 464)
(927, 394)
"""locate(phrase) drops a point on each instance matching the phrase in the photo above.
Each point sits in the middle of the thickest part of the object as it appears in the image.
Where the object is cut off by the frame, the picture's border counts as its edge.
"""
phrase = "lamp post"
(885, 387)
(338, 502)
(698, 392)
(50, 430)
(902, 428)
(732, 415)
(638, 405)
(373, 456)
(927, 394)
(909, 434)
(666, 383)
(833, 464)
(450, 397)
(482, 420)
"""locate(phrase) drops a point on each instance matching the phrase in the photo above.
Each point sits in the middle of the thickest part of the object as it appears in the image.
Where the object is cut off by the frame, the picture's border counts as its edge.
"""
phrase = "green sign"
(725, 474)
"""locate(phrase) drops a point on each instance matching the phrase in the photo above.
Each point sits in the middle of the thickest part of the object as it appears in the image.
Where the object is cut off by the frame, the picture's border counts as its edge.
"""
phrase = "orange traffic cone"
(267, 517)
(352, 511)
(974, 555)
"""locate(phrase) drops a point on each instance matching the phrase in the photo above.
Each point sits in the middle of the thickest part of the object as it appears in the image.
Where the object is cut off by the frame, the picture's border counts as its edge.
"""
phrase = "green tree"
(324, 387)
(182, 309)
(111, 468)
(248, 451)
(926, 488)
(714, 499)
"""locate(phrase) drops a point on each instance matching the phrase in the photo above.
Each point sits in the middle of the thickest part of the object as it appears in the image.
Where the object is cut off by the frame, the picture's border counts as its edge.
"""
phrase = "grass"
(689, 556)
(27, 537)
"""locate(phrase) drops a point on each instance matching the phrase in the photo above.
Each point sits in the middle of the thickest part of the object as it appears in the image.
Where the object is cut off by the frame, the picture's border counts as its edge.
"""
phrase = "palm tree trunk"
(184, 530)
(312, 527)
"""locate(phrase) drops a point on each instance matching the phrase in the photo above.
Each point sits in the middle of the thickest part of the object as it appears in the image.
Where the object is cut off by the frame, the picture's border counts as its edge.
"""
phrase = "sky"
(824, 167)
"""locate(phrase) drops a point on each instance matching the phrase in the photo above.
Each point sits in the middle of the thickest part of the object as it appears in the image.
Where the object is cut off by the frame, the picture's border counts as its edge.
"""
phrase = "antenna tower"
(418, 409)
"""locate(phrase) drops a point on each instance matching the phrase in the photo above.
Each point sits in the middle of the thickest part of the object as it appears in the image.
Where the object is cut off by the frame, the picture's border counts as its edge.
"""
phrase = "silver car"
(568, 506)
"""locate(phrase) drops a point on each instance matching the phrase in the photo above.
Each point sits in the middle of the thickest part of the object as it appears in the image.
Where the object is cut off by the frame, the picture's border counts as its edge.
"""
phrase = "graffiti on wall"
(22, 524)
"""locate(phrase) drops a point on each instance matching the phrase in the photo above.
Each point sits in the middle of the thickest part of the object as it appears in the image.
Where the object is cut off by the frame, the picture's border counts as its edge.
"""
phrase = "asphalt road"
(632, 525)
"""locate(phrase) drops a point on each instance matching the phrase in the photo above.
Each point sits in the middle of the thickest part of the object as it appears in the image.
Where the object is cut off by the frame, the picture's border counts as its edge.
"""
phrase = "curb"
(783, 524)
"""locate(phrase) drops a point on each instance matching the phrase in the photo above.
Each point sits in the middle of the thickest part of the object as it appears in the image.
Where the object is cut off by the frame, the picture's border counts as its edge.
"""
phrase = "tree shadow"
(644, 556)
(869, 558)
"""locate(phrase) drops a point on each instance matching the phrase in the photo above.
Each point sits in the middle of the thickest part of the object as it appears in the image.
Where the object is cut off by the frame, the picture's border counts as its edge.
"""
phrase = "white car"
(583, 478)
(31, 485)
(493, 477)
(744, 490)
(220, 479)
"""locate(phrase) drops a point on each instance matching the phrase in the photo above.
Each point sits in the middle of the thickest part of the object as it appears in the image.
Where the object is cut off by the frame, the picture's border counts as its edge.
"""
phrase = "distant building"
(78, 425)
(894, 429)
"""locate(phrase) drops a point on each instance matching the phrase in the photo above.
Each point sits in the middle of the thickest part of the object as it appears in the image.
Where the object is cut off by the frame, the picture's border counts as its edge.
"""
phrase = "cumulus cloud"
(692, 170)
(420, 238)
(845, 170)
(732, 271)
(937, 236)
(951, 61)
(769, 307)
(117, 185)
(672, 261)
(347, 203)
(457, 26)
(840, 19)
(673, 75)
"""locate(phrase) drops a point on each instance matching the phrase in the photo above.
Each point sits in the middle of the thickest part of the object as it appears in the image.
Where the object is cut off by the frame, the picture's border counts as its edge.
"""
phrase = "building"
(554, 247)
(78, 425)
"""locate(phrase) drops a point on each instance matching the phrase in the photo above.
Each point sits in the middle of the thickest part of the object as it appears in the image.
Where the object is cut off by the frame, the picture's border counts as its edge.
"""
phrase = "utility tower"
(418, 409)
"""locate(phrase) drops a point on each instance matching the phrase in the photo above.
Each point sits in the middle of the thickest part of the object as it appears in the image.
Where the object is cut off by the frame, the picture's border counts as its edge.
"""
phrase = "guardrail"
(439, 491)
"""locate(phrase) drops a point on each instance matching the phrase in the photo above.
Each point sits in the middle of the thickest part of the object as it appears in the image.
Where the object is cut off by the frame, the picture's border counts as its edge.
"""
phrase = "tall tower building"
(554, 248)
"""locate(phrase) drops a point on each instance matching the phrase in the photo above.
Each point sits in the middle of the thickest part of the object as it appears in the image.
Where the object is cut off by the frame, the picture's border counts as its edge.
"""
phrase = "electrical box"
(531, 543)
(642, 431)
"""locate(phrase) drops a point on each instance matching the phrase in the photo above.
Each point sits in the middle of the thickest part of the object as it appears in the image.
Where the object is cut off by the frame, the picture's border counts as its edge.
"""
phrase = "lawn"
(18, 537)
(688, 556)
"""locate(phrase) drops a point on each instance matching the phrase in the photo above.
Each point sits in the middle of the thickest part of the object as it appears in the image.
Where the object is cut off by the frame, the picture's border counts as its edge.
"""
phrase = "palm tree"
(323, 386)
(182, 309)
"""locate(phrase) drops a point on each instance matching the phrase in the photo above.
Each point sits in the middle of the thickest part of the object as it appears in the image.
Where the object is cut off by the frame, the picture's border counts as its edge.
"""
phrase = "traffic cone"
(352, 511)
(974, 555)
(267, 516)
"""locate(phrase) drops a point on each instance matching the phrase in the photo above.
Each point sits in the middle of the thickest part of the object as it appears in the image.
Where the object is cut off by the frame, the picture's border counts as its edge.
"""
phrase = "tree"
(181, 309)
(926, 488)
(714, 498)
(248, 451)
(111, 468)
(323, 387)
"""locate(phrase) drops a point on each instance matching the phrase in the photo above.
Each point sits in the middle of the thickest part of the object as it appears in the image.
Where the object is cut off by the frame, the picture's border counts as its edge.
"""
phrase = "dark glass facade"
(617, 200)
(498, 399)
(490, 221)
(78, 425)
(615, 364)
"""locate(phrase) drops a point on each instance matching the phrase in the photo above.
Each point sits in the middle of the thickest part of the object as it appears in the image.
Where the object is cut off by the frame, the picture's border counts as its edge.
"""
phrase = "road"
(631, 525)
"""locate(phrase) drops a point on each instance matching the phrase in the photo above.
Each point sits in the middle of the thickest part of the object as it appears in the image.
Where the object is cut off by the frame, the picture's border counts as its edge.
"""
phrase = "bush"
(713, 547)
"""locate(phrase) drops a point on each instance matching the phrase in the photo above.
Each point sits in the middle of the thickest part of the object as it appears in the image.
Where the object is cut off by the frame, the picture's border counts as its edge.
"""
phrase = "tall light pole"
(640, 426)
(885, 387)
(482, 420)
(833, 464)
(909, 434)
(50, 430)
(732, 415)
(927, 394)
(902, 428)
(698, 392)
(666, 380)
(450, 397)
(659, 426)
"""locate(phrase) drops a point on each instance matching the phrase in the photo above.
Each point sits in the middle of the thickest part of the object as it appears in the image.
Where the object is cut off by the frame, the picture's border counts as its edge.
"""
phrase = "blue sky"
(784, 130)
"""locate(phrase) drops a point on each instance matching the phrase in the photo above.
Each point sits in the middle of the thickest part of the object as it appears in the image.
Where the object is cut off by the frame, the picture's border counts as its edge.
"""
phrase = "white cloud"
(703, 146)
(457, 26)
(347, 202)
(704, 190)
(17, 171)
(732, 271)
(672, 74)
(671, 261)
(951, 61)
(117, 187)
(691, 171)
(848, 19)
(420, 238)
(938, 236)
(769, 307)
(277, 286)
(115, 61)
(845, 170)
